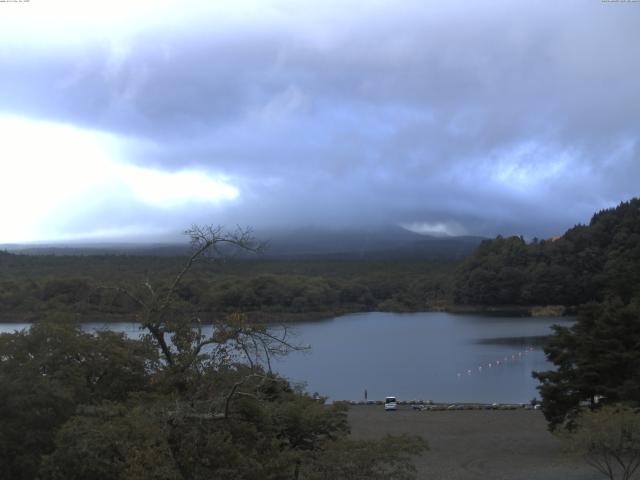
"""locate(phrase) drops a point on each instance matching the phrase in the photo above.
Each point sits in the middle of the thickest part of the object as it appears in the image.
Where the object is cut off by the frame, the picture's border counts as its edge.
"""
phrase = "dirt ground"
(475, 444)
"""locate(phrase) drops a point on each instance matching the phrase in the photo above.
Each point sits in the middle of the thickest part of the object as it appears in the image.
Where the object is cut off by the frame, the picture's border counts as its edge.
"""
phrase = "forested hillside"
(33, 287)
(596, 359)
(587, 263)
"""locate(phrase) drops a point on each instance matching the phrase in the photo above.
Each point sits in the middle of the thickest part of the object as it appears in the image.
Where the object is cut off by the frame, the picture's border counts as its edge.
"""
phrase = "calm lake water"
(436, 356)
(433, 355)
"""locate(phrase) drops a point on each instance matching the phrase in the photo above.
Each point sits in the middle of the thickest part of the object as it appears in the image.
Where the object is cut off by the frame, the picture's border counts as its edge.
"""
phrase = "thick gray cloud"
(484, 118)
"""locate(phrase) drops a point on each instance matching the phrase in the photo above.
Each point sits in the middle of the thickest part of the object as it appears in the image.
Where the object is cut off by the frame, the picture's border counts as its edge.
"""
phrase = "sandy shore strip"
(475, 444)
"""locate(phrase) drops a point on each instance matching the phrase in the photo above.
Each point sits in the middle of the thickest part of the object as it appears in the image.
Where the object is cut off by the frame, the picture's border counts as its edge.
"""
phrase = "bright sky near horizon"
(133, 120)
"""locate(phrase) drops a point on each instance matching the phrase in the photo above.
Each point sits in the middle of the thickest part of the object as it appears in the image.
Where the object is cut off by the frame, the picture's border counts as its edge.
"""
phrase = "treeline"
(588, 263)
(33, 287)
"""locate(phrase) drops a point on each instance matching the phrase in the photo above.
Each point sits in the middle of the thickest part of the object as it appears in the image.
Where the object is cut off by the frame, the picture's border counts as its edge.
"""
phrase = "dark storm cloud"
(486, 118)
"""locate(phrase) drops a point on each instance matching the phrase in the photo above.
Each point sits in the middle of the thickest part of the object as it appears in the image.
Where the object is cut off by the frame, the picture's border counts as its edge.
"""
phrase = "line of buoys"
(501, 361)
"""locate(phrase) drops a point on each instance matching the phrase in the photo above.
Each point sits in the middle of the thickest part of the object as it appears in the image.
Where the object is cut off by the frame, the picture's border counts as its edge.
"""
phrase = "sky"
(134, 120)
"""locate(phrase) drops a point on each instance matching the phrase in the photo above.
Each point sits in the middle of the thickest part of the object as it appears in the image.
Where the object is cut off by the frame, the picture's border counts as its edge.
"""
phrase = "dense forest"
(597, 267)
(587, 263)
(31, 287)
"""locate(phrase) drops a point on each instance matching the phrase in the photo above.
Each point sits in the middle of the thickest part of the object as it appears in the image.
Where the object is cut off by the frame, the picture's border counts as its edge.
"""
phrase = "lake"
(430, 356)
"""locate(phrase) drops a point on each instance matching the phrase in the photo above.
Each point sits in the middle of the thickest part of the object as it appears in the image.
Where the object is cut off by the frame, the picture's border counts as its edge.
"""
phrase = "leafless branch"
(234, 389)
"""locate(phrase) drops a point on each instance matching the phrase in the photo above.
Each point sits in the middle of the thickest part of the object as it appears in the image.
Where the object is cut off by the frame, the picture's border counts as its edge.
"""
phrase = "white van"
(390, 403)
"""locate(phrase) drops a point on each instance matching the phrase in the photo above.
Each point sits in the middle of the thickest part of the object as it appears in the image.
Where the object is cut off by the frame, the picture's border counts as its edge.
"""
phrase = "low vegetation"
(608, 440)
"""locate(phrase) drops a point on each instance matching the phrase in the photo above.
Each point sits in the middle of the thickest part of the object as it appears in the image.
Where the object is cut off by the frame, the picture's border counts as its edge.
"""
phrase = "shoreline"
(431, 406)
(262, 317)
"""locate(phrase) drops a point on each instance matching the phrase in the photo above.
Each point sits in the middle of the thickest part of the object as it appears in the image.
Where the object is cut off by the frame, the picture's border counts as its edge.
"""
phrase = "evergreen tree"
(588, 263)
(597, 361)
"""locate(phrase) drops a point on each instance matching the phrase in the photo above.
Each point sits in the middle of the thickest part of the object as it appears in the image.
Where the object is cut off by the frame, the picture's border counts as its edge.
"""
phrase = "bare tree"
(179, 334)
(609, 441)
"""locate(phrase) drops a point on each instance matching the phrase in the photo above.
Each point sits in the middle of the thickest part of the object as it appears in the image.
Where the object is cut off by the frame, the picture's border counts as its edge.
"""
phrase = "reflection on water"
(434, 355)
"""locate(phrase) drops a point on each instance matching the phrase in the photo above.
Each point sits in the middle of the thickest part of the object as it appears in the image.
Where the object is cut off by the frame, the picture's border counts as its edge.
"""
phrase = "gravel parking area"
(475, 444)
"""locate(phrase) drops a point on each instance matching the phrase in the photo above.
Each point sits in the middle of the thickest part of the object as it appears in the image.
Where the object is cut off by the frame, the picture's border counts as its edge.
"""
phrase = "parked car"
(390, 403)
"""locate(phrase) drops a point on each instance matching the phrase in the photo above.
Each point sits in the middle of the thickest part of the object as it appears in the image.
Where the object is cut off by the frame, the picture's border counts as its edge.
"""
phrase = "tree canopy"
(587, 263)
(177, 403)
(596, 358)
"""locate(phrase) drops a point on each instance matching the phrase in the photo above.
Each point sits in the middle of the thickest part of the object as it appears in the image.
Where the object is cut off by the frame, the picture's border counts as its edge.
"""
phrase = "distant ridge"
(80, 249)
(384, 243)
